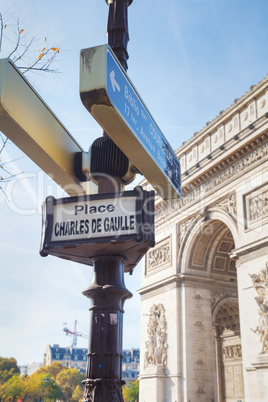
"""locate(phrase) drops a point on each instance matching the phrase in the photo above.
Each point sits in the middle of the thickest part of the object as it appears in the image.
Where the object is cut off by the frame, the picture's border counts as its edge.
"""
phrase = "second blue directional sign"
(107, 92)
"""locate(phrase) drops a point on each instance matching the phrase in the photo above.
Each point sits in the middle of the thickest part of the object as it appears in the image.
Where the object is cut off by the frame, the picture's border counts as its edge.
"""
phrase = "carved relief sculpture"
(232, 352)
(258, 206)
(182, 229)
(160, 256)
(229, 204)
(215, 297)
(156, 346)
(260, 282)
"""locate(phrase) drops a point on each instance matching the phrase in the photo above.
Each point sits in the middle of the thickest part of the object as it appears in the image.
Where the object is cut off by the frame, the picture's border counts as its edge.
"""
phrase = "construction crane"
(74, 333)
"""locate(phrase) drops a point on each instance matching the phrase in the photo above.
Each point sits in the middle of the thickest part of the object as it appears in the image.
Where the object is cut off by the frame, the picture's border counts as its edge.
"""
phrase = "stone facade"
(69, 356)
(205, 284)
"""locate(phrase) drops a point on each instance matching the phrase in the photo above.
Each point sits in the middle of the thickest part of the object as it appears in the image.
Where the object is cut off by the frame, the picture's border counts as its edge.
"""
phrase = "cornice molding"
(249, 248)
(242, 140)
(185, 279)
(238, 163)
(238, 104)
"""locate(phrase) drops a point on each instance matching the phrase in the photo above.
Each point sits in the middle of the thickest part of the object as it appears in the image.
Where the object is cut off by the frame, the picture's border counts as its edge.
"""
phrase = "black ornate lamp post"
(107, 291)
(108, 294)
(117, 29)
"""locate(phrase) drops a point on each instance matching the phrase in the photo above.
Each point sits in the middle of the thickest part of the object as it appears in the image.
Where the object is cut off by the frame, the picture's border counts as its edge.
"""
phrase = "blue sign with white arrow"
(130, 107)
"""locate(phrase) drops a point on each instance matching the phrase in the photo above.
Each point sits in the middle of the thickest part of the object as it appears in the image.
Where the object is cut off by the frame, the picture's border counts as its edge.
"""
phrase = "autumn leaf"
(40, 56)
(55, 49)
(21, 31)
(45, 39)
(43, 50)
(5, 26)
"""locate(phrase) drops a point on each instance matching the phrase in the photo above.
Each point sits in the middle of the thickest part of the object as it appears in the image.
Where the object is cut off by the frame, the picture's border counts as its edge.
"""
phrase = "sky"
(188, 59)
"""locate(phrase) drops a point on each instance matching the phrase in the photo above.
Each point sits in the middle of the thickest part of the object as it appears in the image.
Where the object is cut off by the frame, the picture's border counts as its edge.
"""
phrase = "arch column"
(198, 343)
(209, 275)
(218, 363)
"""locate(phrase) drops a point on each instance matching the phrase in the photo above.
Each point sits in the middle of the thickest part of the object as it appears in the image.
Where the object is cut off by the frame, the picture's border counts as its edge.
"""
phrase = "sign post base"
(101, 390)
(108, 294)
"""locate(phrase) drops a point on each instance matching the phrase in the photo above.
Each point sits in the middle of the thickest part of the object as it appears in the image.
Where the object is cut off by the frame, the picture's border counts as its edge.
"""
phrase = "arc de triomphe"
(204, 333)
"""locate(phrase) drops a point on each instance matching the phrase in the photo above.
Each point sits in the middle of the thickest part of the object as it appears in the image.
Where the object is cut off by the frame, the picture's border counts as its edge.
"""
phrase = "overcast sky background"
(189, 59)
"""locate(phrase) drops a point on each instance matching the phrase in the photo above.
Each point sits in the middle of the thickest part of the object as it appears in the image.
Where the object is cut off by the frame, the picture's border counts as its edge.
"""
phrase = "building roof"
(131, 355)
(69, 353)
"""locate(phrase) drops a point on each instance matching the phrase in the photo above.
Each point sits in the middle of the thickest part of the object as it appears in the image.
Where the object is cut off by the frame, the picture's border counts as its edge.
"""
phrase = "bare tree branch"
(15, 45)
(24, 52)
(18, 41)
(1, 30)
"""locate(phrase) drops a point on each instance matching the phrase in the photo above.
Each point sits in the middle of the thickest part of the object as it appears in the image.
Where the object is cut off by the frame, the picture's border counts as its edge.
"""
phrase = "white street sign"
(96, 219)
(84, 227)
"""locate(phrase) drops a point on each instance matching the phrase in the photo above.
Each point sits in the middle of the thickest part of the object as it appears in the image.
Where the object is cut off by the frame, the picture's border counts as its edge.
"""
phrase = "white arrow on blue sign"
(104, 83)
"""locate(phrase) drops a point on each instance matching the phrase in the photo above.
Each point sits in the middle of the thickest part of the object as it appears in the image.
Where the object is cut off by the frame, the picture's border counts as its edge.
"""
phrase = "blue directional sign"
(132, 110)
(108, 94)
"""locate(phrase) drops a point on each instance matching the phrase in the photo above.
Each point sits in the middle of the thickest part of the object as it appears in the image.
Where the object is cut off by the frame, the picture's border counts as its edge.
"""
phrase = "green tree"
(14, 388)
(53, 370)
(131, 393)
(78, 393)
(8, 367)
(36, 387)
(68, 381)
(42, 387)
(49, 383)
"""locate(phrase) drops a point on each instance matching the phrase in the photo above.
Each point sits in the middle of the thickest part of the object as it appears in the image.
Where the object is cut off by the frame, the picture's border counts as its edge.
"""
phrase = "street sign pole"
(108, 294)
(107, 291)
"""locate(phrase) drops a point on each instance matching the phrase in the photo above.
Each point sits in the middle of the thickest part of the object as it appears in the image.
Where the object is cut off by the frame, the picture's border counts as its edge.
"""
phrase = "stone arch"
(226, 323)
(202, 231)
(205, 254)
(224, 300)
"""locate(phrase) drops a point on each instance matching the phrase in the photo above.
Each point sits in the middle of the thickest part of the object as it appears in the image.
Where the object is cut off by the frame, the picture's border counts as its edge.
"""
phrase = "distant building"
(30, 368)
(130, 365)
(77, 358)
(132, 355)
(69, 357)
(23, 370)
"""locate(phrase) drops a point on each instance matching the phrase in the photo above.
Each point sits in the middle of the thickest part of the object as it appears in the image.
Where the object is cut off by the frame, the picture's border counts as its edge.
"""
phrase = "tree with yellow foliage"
(53, 370)
(8, 367)
(131, 393)
(68, 380)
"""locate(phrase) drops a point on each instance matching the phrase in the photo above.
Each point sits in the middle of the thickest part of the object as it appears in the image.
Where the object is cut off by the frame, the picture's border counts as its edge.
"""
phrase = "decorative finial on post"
(117, 29)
